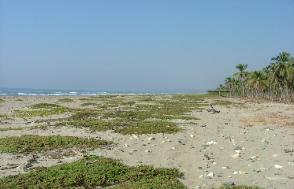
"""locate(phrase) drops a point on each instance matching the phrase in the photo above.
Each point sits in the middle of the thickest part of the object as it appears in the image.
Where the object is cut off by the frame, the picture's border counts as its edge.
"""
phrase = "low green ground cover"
(35, 143)
(65, 100)
(92, 172)
(41, 109)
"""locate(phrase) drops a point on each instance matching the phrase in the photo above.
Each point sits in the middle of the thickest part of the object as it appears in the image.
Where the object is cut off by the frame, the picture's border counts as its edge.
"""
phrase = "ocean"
(63, 92)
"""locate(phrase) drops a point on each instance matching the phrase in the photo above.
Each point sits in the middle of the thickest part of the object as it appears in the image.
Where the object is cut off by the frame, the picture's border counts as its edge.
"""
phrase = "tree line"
(273, 82)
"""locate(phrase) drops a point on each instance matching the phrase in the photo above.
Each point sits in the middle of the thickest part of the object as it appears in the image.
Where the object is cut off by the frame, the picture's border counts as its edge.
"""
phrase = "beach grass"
(5, 117)
(89, 104)
(1, 100)
(11, 128)
(129, 117)
(65, 100)
(35, 143)
(123, 114)
(41, 109)
(94, 172)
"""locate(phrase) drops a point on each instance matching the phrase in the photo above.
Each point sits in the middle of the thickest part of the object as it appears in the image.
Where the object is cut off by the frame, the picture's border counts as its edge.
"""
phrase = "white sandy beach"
(250, 144)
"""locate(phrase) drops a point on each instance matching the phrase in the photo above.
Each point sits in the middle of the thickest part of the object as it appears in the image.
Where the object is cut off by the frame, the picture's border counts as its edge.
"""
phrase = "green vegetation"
(122, 115)
(88, 104)
(65, 100)
(35, 143)
(41, 109)
(274, 82)
(93, 172)
(1, 100)
(5, 117)
(122, 126)
(11, 128)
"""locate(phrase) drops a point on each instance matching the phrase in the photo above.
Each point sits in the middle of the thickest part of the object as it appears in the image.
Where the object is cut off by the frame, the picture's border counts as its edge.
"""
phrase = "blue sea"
(62, 92)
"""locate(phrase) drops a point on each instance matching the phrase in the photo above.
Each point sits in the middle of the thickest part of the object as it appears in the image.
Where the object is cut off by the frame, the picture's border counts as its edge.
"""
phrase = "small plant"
(5, 117)
(45, 106)
(1, 100)
(11, 128)
(65, 100)
(42, 109)
(88, 104)
(95, 172)
(35, 143)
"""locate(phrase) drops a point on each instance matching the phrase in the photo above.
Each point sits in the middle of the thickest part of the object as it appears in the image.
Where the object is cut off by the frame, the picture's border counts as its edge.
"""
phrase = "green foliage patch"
(41, 109)
(35, 143)
(127, 117)
(89, 104)
(92, 172)
(65, 100)
(10, 128)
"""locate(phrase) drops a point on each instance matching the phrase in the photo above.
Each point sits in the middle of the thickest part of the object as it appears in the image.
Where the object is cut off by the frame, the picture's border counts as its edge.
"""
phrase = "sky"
(138, 45)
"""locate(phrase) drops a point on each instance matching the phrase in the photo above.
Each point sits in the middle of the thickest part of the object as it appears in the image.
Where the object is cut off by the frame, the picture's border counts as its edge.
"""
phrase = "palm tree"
(275, 81)
(279, 68)
(241, 75)
(257, 81)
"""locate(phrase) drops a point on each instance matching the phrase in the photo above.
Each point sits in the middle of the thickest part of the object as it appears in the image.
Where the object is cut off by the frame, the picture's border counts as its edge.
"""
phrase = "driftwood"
(212, 109)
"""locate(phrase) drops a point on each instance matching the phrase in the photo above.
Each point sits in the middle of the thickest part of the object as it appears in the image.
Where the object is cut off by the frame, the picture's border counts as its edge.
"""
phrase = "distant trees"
(274, 82)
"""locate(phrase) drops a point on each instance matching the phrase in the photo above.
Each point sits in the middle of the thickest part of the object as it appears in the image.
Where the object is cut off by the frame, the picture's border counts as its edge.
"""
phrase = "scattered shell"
(225, 167)
(135, 136)
(192, 136)
(200, 176)
(233, 141)
(235, 172)
(147, 151)
(214, 163)
(235, 156)
(210, 175)
(275, 155)
(151, 138)
(242, 172)
(238, 151)
(173, 148)
(278, 166)
(253, 157)
(211, 142)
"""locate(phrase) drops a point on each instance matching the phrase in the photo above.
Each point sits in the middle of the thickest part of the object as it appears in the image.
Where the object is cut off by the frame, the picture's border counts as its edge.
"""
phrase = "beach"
(239, 141)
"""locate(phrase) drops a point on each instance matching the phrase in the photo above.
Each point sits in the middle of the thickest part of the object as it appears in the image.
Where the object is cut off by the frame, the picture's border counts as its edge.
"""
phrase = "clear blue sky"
(138, 45)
